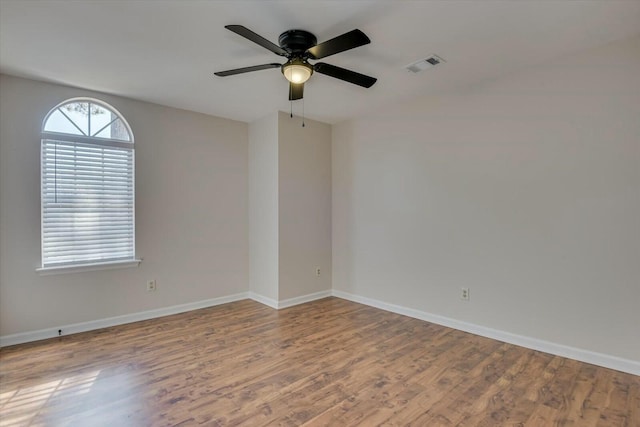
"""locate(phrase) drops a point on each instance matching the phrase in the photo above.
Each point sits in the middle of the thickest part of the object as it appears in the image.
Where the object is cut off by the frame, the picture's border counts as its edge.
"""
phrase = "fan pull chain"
(291, 111)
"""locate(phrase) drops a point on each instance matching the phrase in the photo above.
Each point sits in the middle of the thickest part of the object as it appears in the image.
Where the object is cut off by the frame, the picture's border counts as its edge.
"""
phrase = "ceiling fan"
(299, 46)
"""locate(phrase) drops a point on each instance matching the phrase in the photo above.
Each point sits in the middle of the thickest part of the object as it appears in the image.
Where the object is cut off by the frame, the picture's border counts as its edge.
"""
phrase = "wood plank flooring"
(326, 363)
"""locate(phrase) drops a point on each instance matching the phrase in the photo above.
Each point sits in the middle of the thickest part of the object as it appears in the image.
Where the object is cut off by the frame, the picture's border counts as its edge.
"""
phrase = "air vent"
(423, 64)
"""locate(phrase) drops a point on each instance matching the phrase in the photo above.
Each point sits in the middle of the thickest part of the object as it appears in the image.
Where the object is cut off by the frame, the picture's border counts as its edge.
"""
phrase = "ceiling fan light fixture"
(297, 71)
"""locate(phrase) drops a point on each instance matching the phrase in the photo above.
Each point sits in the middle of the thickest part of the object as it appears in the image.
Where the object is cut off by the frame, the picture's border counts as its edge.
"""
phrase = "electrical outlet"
(151, 285)
(464, 294)
(318, 271)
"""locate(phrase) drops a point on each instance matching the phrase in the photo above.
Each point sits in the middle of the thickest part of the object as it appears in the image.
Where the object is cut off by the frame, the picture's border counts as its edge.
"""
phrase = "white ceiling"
(166, 51)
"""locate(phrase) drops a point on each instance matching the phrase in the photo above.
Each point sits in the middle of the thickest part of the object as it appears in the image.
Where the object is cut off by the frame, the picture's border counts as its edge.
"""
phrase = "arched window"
(87, 187)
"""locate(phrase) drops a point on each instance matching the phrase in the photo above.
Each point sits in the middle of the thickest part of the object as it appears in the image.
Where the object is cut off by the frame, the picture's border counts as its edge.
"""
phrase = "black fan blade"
(246, 70)
(295, 91)
(258, 39)
(344, 74)
(350, 40)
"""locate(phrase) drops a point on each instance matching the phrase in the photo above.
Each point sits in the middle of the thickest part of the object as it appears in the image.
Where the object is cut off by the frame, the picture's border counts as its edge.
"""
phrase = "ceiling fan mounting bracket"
(297, 41)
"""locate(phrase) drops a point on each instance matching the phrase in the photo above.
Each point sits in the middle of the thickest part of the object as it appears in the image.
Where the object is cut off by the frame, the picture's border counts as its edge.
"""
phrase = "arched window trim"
(107, 143)
(83, 138)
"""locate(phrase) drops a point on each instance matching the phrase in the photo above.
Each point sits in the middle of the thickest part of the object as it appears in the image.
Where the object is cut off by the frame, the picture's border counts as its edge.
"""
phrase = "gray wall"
(289, 207)
(304, 205)
(263, 206)
(526, 190)
(191, 213)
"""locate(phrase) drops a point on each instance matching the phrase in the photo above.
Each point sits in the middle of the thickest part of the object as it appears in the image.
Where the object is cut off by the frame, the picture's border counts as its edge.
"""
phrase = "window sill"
(79, 268)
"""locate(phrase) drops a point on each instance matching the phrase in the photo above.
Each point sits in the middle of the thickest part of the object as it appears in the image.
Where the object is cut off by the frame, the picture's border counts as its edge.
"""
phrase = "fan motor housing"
(297, 41)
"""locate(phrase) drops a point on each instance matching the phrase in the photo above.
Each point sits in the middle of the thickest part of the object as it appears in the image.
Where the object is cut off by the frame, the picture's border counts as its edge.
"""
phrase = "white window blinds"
(87, 188)
(87, 203)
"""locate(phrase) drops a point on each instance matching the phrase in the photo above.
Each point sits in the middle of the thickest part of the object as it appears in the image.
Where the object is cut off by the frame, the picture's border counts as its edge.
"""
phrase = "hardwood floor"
(329, 362)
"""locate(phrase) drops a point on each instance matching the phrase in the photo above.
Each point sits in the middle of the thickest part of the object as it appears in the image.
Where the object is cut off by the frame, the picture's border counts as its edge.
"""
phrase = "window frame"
(47, 135)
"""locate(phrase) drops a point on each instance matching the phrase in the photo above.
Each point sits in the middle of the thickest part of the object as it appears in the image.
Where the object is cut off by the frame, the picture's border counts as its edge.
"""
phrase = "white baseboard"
(600, 359)
(264, 300)
(114, 321)
(304, 298)
(75, 328)
(290, 302)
